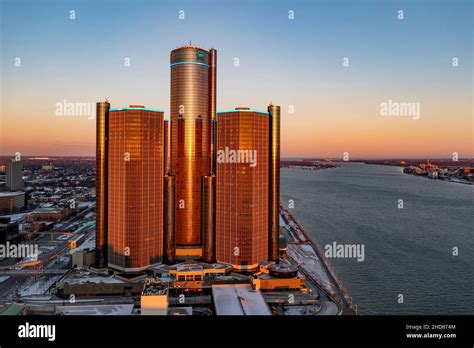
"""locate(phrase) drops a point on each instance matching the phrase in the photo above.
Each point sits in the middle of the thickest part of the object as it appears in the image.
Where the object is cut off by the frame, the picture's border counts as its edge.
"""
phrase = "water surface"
(408, 251)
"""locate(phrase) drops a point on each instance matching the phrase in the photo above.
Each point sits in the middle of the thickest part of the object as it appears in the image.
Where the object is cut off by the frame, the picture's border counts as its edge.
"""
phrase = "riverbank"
(310, 258)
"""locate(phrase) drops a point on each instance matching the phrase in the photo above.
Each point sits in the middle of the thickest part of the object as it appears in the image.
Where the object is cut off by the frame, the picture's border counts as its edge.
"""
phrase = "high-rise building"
(208, 218)
(169, 208)
(274, 183)
(102, 132)
(193, 105)
(14, 173)
(166, 147)
(194, 187)
(135, 188)
(242, 187)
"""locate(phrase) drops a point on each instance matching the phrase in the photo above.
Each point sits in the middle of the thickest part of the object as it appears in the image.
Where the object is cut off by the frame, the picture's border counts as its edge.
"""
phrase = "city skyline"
(308, 160)
(336, 108)
(166, 191)
(133, 204)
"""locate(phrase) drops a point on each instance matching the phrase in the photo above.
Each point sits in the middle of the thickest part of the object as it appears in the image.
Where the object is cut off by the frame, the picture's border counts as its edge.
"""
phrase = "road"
(19, 276)
(28, 272)
(59, 249)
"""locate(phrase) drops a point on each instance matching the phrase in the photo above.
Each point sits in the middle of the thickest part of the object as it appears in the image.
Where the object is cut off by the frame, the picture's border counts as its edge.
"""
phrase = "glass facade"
(135, 188)
(102, 129)
(191, 115)
(242, 189)
(274, 166)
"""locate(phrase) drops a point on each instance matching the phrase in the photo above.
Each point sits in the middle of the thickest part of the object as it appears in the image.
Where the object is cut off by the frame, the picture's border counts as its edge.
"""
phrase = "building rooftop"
(190, 265)
(189, 46)
(84, 277)
(180, 311)
(115, 309)
(239, 300)
(243, 110)
(136, 108)
(10, 194)
(154, 287)
(46, 211)
(94, 280)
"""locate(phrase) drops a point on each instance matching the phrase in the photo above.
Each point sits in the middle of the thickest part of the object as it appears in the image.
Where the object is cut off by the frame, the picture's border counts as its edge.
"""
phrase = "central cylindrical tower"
(192, 106)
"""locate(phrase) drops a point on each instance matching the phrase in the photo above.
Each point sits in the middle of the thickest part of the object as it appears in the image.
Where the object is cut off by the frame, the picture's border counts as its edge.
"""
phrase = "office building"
(102, 130)
(135, 188)
(14, 174)
(274, 183)
(193, 105)
(242, 188)
(199, 186)
(12, 202)
(154, 299)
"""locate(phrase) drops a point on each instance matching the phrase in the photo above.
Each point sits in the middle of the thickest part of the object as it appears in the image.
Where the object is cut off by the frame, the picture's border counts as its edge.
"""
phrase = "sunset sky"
(294, 63)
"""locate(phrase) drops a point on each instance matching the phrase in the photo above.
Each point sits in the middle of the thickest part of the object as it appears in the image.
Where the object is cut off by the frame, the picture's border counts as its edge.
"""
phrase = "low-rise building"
(278, 277)
(154, 298)
(265, 282)
(12, 202)
(196, 271)
(83, 258)
(49, 214)
(84, 283)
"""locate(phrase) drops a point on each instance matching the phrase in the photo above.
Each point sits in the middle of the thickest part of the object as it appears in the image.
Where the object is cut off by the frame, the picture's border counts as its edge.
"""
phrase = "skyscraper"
(208, 218)
(216, 199)
(102, 131)
(169, 202)
(135, 188)
(14, 173)
(242, 188)
(193, 105)
(274, 182)
(169, 209)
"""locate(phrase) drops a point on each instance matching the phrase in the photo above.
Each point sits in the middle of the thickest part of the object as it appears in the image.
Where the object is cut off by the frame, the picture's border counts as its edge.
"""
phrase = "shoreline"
(455, 180)
(333, 286)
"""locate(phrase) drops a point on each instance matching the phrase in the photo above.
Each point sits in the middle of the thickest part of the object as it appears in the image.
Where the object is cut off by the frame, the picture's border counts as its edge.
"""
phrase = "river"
(408, 251)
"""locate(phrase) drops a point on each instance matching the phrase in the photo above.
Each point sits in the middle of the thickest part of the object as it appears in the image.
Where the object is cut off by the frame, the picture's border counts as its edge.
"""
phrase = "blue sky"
(287, 62)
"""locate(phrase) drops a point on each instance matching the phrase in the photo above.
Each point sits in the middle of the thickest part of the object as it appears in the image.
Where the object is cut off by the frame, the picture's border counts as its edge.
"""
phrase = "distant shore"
(457, 171)
(308, 164)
